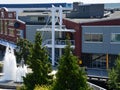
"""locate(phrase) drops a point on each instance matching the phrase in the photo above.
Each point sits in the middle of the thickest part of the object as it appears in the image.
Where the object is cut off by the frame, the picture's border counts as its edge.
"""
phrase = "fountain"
(12, 73)
(21, 71)
(9, 67)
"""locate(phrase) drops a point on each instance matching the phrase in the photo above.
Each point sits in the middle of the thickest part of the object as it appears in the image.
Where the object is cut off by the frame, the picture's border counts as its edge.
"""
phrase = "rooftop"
(110, 16)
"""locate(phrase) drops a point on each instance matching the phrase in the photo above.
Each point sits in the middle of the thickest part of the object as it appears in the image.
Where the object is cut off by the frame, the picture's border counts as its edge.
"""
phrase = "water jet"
(12, 75)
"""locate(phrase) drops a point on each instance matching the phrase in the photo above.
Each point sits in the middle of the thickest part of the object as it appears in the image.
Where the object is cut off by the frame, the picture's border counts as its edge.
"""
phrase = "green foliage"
(70, 76)
(24, 46)
(114, 76)
(40, 65)
(42, 87)
(20, 87)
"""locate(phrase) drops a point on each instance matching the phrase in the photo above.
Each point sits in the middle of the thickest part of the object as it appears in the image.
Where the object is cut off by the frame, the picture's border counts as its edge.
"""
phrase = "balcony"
(57, 28)
(58, 43)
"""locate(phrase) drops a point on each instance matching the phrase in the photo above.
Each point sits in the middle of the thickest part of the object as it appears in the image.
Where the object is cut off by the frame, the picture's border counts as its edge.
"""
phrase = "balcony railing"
(59, 42)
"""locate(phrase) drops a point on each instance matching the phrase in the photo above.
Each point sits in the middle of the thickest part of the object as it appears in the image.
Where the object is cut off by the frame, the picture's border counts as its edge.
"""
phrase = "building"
(33, 16)
(57, 42)
(81, 10)
(10, 29)
(28, 23)
(97, 39)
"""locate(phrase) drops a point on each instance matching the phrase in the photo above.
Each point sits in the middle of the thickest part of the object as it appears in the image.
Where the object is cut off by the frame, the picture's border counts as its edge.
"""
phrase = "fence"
(95, 87)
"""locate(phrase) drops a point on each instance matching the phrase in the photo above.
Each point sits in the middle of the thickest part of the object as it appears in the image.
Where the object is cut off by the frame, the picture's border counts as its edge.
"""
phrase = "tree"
(24, 48)
(114, 76)
(40, 65)
(70, 76)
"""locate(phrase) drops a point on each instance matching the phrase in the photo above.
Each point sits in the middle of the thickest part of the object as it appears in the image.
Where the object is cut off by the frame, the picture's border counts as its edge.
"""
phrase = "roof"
(111, 16)
(34, 13)
(34, 5)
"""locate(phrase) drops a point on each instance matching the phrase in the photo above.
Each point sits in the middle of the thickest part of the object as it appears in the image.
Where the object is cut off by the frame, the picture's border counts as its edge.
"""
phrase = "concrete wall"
(31, 31)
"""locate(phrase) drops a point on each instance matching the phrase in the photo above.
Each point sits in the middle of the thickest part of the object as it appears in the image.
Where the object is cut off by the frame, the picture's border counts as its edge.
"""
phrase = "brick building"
(97, 39)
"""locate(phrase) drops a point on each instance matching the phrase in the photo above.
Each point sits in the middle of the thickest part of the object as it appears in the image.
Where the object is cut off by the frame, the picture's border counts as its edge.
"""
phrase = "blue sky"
(56, 1)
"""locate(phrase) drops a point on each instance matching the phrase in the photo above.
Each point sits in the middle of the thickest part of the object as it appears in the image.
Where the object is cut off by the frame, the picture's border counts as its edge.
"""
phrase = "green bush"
(114, 76)
(39, 64)
(70, 75)
(21, 87)
(43, 87)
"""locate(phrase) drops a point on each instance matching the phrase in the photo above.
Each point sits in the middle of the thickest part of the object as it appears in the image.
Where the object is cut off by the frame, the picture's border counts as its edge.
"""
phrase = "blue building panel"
(106, 46)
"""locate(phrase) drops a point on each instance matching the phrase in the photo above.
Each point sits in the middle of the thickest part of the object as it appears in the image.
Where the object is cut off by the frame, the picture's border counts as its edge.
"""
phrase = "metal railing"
(59, 42)
(95, 87)
(97, 72)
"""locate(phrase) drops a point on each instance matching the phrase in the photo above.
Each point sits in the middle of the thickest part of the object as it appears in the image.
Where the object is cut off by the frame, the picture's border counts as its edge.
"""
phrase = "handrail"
(95, 87)
(57, 26)
(64, 42)
(58, 42)
(46, 42)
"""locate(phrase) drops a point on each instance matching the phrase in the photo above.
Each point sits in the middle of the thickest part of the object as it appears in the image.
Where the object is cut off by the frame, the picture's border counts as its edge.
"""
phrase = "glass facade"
(98, 60)
(93, 37)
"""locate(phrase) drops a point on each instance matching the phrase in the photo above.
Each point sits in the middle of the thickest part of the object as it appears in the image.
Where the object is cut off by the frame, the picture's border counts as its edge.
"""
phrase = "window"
(37, 19)
(93, 37)
(11, 32)
(10, 15)
(115, 37)
(33, 19)
(20, 33)
(5, 26)
(1, 26)
(11, 23)
(41, 19)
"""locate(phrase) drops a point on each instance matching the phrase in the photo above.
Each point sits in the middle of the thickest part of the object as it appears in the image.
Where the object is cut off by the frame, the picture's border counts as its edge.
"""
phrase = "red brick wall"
(6, 15)
(77, 35)
(105, 22)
